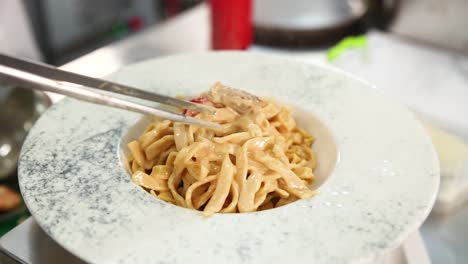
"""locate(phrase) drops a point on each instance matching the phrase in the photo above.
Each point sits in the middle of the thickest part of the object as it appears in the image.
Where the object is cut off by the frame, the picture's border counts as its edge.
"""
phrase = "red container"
(231, 23)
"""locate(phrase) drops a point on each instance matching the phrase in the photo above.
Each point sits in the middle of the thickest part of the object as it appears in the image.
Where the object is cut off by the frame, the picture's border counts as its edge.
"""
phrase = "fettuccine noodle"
(258, 160)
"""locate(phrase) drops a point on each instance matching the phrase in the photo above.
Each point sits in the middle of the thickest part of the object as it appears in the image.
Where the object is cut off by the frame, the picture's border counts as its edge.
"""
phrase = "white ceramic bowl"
(381, 188)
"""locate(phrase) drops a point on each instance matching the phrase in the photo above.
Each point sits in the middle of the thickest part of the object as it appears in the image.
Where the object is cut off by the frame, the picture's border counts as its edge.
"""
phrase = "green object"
(119, 30)
(12, 219)
(345, 44)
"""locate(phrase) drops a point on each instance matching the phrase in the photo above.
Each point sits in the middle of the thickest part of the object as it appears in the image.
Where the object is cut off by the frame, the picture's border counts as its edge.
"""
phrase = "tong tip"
(202, 123)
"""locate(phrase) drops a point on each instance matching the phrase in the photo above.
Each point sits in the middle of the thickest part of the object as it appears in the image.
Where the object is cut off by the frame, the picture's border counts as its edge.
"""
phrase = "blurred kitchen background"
(58, 31)
(414, 50)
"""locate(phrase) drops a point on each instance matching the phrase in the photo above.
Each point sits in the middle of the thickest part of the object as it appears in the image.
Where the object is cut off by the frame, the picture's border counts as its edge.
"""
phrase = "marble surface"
(382, 189)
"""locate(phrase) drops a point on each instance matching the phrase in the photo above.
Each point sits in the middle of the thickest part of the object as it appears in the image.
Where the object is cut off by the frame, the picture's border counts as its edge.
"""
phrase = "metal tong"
(36, 76)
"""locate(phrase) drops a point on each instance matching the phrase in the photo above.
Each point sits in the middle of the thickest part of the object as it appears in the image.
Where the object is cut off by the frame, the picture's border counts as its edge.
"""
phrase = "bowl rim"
(28, 161)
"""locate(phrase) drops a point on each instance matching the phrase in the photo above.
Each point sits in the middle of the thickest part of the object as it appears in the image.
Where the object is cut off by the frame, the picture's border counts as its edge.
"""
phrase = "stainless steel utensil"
(41, 77)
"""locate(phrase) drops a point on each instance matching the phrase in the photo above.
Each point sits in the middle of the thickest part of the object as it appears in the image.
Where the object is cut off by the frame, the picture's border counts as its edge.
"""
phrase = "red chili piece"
(199, 100)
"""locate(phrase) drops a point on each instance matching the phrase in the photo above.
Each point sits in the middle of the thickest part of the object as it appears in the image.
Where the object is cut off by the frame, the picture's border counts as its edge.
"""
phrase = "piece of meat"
(9, 199)
(242, 102)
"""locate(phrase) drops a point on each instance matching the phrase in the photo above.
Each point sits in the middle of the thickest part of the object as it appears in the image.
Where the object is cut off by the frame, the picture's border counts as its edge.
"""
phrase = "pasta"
(258, 160)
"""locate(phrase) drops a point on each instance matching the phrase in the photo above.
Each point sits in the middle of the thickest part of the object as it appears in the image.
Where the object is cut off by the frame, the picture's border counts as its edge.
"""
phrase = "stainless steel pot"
(19, 109)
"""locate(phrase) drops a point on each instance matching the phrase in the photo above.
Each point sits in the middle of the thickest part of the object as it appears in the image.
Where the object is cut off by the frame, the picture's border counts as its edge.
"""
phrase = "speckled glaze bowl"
(381, 188)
